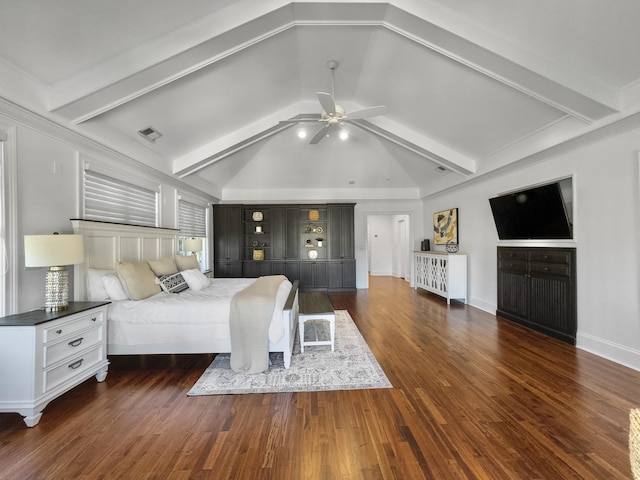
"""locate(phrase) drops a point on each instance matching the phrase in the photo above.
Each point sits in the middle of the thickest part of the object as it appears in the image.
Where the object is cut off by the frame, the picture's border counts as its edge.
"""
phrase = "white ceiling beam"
(229, 144)
(176, 55)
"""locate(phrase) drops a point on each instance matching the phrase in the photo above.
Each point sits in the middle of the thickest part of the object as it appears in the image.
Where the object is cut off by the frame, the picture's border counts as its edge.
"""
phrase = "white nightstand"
(44, 354)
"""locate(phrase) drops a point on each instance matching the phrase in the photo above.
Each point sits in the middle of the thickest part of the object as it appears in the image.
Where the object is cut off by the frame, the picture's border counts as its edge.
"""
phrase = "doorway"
(389, 245)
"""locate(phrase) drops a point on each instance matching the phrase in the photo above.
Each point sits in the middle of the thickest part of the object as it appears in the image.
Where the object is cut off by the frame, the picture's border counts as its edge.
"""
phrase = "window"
(192, 221)
(8, 222)
(111, 200)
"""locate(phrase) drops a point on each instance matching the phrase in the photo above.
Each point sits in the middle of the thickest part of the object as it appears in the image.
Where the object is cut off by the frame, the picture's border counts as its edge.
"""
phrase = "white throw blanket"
(250, 316)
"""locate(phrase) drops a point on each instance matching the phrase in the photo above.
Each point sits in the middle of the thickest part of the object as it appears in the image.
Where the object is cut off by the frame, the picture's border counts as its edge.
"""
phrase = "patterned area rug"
(351, 366)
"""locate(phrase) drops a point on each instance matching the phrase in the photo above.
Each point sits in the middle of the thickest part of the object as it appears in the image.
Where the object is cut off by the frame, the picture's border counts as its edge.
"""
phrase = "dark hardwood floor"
(473, 397)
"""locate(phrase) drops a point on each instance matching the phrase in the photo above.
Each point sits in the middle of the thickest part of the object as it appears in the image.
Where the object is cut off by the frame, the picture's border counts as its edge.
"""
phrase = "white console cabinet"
(44, 354)
(443, 273)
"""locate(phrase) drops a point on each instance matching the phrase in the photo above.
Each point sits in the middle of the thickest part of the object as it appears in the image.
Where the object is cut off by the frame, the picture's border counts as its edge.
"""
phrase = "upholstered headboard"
(106, 244)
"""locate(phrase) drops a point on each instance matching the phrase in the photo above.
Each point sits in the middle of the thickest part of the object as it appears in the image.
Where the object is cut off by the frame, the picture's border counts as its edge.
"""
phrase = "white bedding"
(187, 316)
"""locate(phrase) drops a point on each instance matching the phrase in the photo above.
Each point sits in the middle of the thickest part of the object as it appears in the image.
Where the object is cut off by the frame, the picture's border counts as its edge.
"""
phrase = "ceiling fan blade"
(367, 112)
(301, 120)
(320, 134)
(328, 105)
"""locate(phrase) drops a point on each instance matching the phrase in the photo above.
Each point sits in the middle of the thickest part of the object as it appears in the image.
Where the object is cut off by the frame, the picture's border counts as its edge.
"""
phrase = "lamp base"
(56, 294)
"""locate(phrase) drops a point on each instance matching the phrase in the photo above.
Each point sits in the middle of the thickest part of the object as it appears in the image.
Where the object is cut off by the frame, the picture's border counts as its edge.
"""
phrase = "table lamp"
(192, 245)
(54, 251)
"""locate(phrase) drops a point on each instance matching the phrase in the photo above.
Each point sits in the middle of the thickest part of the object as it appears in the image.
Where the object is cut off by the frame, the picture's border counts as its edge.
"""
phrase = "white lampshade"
(53, 250)
(192, 245)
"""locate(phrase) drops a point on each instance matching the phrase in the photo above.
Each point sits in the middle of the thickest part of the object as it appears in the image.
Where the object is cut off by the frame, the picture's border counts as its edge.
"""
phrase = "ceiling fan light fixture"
(344, 134)
(302, 133)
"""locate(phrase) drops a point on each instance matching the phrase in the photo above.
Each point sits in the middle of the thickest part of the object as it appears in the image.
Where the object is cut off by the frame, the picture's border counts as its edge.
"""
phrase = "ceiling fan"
(333, 115)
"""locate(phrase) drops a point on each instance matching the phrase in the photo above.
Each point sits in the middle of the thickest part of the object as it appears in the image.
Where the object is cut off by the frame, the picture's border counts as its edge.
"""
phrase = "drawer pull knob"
(75, 343)
(94, 319)
(77, 364)
(58, 332)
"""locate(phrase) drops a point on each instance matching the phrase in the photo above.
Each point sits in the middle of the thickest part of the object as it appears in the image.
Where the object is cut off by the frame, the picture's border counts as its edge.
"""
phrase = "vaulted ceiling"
(469, 86)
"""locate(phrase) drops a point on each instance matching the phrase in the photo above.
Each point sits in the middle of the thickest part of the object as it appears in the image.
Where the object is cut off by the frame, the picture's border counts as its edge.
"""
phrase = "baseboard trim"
(610, 350)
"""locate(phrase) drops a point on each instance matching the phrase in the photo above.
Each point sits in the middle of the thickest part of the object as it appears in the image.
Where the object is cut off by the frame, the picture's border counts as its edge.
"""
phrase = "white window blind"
(110, 200)
(192, 219)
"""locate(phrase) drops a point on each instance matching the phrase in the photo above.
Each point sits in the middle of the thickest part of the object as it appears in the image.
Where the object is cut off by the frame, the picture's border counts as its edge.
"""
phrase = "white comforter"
(187, 315)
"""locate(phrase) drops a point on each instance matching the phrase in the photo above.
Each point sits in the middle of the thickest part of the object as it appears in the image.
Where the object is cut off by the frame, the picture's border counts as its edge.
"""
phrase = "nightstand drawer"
(71, 368)
(81, 322)
(72, 345)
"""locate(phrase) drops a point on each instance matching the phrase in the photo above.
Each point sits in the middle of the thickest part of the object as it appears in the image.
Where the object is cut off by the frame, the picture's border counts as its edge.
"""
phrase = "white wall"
(381, 229)
(606, 235)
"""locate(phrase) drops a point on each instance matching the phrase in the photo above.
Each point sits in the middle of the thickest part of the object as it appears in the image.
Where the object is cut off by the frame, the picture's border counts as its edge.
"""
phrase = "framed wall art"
(445, 227)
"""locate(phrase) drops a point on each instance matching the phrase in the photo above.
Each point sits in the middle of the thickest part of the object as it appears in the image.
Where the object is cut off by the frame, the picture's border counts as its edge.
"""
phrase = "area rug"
(352, 366)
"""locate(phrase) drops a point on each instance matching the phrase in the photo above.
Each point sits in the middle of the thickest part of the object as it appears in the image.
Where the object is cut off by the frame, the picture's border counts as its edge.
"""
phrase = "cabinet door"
(284, 235)
(553, 307)
(342, 275)
(513, 293)
(313, 275)
(227, 233)
(256, 269)
(341, 236)
(291, 270)
(227, 269)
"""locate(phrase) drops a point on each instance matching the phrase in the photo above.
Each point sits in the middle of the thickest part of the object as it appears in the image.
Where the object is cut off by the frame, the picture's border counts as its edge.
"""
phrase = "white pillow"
(195, 279)
(95, 286)
(113, 287)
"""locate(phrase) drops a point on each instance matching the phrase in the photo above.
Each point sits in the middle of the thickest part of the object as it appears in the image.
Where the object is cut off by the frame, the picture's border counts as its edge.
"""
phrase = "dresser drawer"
(72, 367)
(512, 254)
(513, 265)
(550, 269)
(72, 345)
(81, 322)
(563, 258)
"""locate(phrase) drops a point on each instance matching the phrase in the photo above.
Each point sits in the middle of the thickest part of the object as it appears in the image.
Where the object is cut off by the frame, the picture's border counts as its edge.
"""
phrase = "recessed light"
(344, 134)
(302, 133)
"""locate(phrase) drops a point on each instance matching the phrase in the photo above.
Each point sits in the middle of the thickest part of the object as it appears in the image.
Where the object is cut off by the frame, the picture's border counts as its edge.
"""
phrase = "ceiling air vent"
(150, 134)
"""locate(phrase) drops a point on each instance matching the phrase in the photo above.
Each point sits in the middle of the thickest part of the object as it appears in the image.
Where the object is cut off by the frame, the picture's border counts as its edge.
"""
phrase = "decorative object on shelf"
(452, 247)
(313, 254)
(54, 251)
(308, 243)
(258, 254)
(318, 229)
(445, 227)
(257, 216)
(319, 240)
(192, 245)
(258, 228)
(255, 243)
(425, 245)
(314, 215)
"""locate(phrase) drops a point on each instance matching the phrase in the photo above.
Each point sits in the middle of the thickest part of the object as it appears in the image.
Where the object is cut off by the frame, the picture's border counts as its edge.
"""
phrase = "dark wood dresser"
(537, 289)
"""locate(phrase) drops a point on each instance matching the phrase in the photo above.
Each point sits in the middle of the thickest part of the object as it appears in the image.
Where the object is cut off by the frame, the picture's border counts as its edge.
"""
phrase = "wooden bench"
(316, 306)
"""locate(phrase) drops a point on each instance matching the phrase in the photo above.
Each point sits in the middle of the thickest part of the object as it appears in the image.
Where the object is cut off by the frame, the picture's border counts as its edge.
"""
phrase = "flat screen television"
(538, 213)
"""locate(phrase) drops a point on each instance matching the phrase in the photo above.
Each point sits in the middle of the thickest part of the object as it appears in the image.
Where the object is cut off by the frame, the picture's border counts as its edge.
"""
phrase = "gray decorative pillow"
(173, 283)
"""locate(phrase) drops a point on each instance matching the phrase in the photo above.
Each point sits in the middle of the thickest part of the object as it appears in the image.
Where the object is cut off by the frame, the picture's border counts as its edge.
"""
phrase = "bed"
(192, 321)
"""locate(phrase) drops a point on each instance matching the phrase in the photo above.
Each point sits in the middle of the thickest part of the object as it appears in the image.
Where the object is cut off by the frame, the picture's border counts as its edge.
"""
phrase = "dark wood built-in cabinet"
(228, 247)
(313, 244)
(537, 288)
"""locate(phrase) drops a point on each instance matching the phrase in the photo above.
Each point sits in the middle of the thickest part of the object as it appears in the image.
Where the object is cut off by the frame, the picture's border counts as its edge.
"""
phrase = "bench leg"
(301, 331)
(332, 328)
